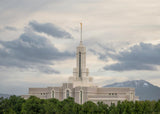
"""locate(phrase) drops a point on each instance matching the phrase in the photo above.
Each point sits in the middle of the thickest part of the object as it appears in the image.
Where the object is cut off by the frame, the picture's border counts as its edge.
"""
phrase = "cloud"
(102, 51)
(143, 56)
(47, 70)
(126, 66)
(50, 29)
(31, 51)
(10, 28)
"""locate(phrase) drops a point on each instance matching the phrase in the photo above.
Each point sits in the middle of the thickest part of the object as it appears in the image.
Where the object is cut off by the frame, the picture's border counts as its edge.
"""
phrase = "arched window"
(67, 93)
(81, 97)
(53, 94)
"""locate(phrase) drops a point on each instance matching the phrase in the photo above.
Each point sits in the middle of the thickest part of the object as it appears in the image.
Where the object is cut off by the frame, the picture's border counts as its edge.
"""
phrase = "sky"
(38, 40)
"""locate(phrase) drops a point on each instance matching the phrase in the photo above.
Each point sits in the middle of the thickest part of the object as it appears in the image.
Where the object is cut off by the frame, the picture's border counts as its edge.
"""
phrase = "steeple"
(81, 34)
(80, 72)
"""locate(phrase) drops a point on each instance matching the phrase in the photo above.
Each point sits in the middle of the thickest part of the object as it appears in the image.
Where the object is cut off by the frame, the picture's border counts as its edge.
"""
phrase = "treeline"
(34, 105)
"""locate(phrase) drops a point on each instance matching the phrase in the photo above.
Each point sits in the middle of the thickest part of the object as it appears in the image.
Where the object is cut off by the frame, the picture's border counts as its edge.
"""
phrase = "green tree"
(15, 103)
(77, 108)
(68, 105)
(89, 108)
(51, 106)
(1, 103)
(157, 106)
(138, 108)
(33, 105)
(5, 107)
(102, 108)
(147, 107)
(113, 109)
(11, 105)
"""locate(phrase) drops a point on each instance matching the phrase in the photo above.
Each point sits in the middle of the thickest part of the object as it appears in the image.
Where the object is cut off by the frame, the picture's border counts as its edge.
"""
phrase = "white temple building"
(81, 87)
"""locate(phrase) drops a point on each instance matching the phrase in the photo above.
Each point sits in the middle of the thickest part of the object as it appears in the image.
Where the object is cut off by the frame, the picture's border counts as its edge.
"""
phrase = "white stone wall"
(93, 93)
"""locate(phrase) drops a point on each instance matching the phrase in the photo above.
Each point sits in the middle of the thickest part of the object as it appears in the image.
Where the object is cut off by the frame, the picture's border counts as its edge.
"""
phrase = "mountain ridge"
(143, 89)
(4, 95)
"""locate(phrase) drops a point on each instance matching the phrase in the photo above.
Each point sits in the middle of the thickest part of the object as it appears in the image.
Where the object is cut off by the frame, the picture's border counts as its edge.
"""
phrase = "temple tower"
(81, 73)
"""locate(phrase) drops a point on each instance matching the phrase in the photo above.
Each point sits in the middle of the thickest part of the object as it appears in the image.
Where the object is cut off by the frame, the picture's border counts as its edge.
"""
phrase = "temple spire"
(81, 33)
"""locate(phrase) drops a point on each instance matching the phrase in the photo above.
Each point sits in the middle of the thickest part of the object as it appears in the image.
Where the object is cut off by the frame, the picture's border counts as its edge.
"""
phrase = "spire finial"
(81, 32)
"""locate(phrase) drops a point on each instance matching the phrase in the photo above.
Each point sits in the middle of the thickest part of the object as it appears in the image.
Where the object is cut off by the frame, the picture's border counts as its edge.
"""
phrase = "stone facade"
(82, 94)
(82, 88)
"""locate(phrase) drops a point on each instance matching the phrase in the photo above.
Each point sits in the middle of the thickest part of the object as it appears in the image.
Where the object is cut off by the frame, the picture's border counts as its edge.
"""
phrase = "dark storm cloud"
(50, 29)
(31, 51)
(139, 57)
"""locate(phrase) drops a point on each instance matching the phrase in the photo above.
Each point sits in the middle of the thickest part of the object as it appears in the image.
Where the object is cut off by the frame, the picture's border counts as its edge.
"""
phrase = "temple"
(81, 87)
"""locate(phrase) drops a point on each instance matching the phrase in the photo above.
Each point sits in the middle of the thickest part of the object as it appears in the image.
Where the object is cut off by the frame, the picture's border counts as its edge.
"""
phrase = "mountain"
(4, 95)
(143, 89)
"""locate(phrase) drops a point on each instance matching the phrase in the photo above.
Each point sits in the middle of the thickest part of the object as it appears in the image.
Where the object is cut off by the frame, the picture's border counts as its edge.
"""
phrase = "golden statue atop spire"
(81, 32)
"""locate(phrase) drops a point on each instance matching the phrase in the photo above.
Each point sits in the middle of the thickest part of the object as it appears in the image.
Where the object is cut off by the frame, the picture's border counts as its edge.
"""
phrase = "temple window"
(81, 97)
(67, 93)
(53, 94)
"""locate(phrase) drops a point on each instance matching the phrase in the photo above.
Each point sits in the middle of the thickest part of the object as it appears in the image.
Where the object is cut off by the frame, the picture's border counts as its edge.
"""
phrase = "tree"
(113, 109)
(89, 107)
(51, 106)
(1, 103)
(33, 105)
(11, 105)
(102, 108)
(138, 107)
(15, 103)
(68, 105)
(157, 106)
(147, 107)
